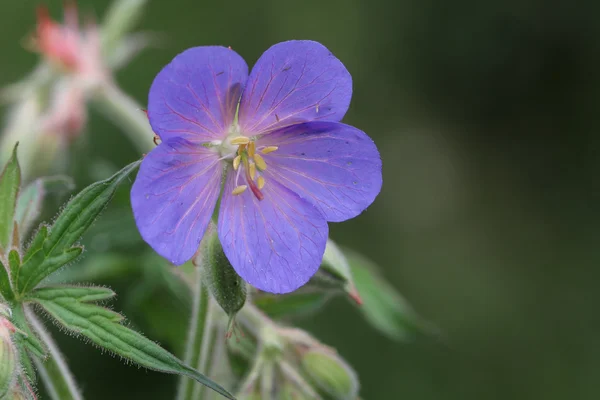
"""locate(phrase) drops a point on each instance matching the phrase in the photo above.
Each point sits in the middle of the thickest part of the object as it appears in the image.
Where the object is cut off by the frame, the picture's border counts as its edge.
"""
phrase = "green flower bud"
(8, 358)
(225, 285)
(334, 273)
(330, 374)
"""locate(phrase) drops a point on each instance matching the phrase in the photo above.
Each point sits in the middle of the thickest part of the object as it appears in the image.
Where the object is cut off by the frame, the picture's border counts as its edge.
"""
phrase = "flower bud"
(225, 285)
(335, 274)
(8, 358)
(330, 374)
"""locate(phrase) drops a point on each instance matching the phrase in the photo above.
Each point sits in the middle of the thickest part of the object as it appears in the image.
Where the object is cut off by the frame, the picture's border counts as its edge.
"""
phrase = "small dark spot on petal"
(354, 182)
(286, 69)
(220, 73)
(302, 154)
(349, 163)
(347, 143)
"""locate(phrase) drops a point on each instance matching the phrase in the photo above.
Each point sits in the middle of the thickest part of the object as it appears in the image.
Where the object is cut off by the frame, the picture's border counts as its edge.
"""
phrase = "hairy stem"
(55, 373)
(207, 353)
(196, 341)
(126, 113)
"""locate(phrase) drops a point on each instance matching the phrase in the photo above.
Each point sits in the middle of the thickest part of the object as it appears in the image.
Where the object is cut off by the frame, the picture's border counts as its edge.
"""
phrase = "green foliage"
(49, 253)
(297, 303)
(383, 307)
(10, 182)
(102, 326)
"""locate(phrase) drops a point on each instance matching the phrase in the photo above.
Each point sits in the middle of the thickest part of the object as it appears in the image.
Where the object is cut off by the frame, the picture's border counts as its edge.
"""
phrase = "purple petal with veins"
(334, 166)
(196, 95)
(292, 82)
(275, 244)
(174, 196)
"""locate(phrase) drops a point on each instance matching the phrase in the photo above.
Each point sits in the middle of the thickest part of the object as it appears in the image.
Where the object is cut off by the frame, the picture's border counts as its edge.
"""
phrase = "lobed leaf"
(51, 250)
(10, 181)
(96, 324)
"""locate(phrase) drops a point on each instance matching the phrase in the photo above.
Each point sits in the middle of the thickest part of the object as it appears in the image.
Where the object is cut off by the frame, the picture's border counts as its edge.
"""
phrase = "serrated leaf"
(41, 265)
(30, 200)
(10, 181)
(73, 221)
(90, 321)
(383, 307)
(82, 294)
(83, 209)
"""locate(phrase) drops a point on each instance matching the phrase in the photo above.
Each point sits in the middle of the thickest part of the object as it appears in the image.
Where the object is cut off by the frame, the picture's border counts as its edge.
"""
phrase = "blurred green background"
(487, 116)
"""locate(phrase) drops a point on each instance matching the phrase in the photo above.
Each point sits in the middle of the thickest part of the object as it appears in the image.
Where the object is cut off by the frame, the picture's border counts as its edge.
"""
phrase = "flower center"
(248, 160)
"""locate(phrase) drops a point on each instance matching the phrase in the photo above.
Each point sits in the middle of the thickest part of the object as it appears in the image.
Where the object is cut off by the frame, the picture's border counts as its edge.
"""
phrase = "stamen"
(240, 140)
(236, 162)
(269, 149)
(239, 190)
(251, 149)
(260, 162)
(252, 168)
(260, 182)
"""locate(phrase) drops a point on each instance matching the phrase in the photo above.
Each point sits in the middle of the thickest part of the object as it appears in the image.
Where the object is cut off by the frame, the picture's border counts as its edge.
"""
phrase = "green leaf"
(98, 325)
(78, 293)
(5, 288)
(83, 209)
(55, 249)
(30, 341)
(41, 265)
(383, 307)
(293, 304)
(10, 181)
(30, 200)
(14, 263)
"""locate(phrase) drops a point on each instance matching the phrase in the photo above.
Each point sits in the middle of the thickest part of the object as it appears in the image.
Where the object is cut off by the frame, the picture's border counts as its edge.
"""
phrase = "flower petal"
(292, 82)
(196, 95)
(174, 196)
(334, 166)
(275, 244)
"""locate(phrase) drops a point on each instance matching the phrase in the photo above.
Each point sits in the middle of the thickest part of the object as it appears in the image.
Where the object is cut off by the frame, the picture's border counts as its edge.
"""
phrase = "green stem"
(55, 373)
(126, 113)
(207, 351)
(199, 328)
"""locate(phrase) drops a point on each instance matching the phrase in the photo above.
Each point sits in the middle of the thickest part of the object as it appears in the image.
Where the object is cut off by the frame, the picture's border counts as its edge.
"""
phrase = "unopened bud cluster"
(291, 364)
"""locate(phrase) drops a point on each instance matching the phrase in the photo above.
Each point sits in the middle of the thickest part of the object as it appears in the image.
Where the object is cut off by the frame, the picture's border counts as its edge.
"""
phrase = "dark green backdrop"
(486, 116)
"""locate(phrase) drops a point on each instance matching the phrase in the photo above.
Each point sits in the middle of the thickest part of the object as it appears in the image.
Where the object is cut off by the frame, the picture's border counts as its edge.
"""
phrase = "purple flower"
(286, 164)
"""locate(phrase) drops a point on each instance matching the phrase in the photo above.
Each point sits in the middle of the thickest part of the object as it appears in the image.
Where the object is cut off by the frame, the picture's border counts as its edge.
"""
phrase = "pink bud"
(66, 45)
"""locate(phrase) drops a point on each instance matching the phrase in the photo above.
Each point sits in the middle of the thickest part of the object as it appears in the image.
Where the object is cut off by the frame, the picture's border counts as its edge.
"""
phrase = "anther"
(269, 149)
(260, 182)
(239, 190)
(240, 140)
(236, 162)
(251, 149)
(252, 170)
(260, 162)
